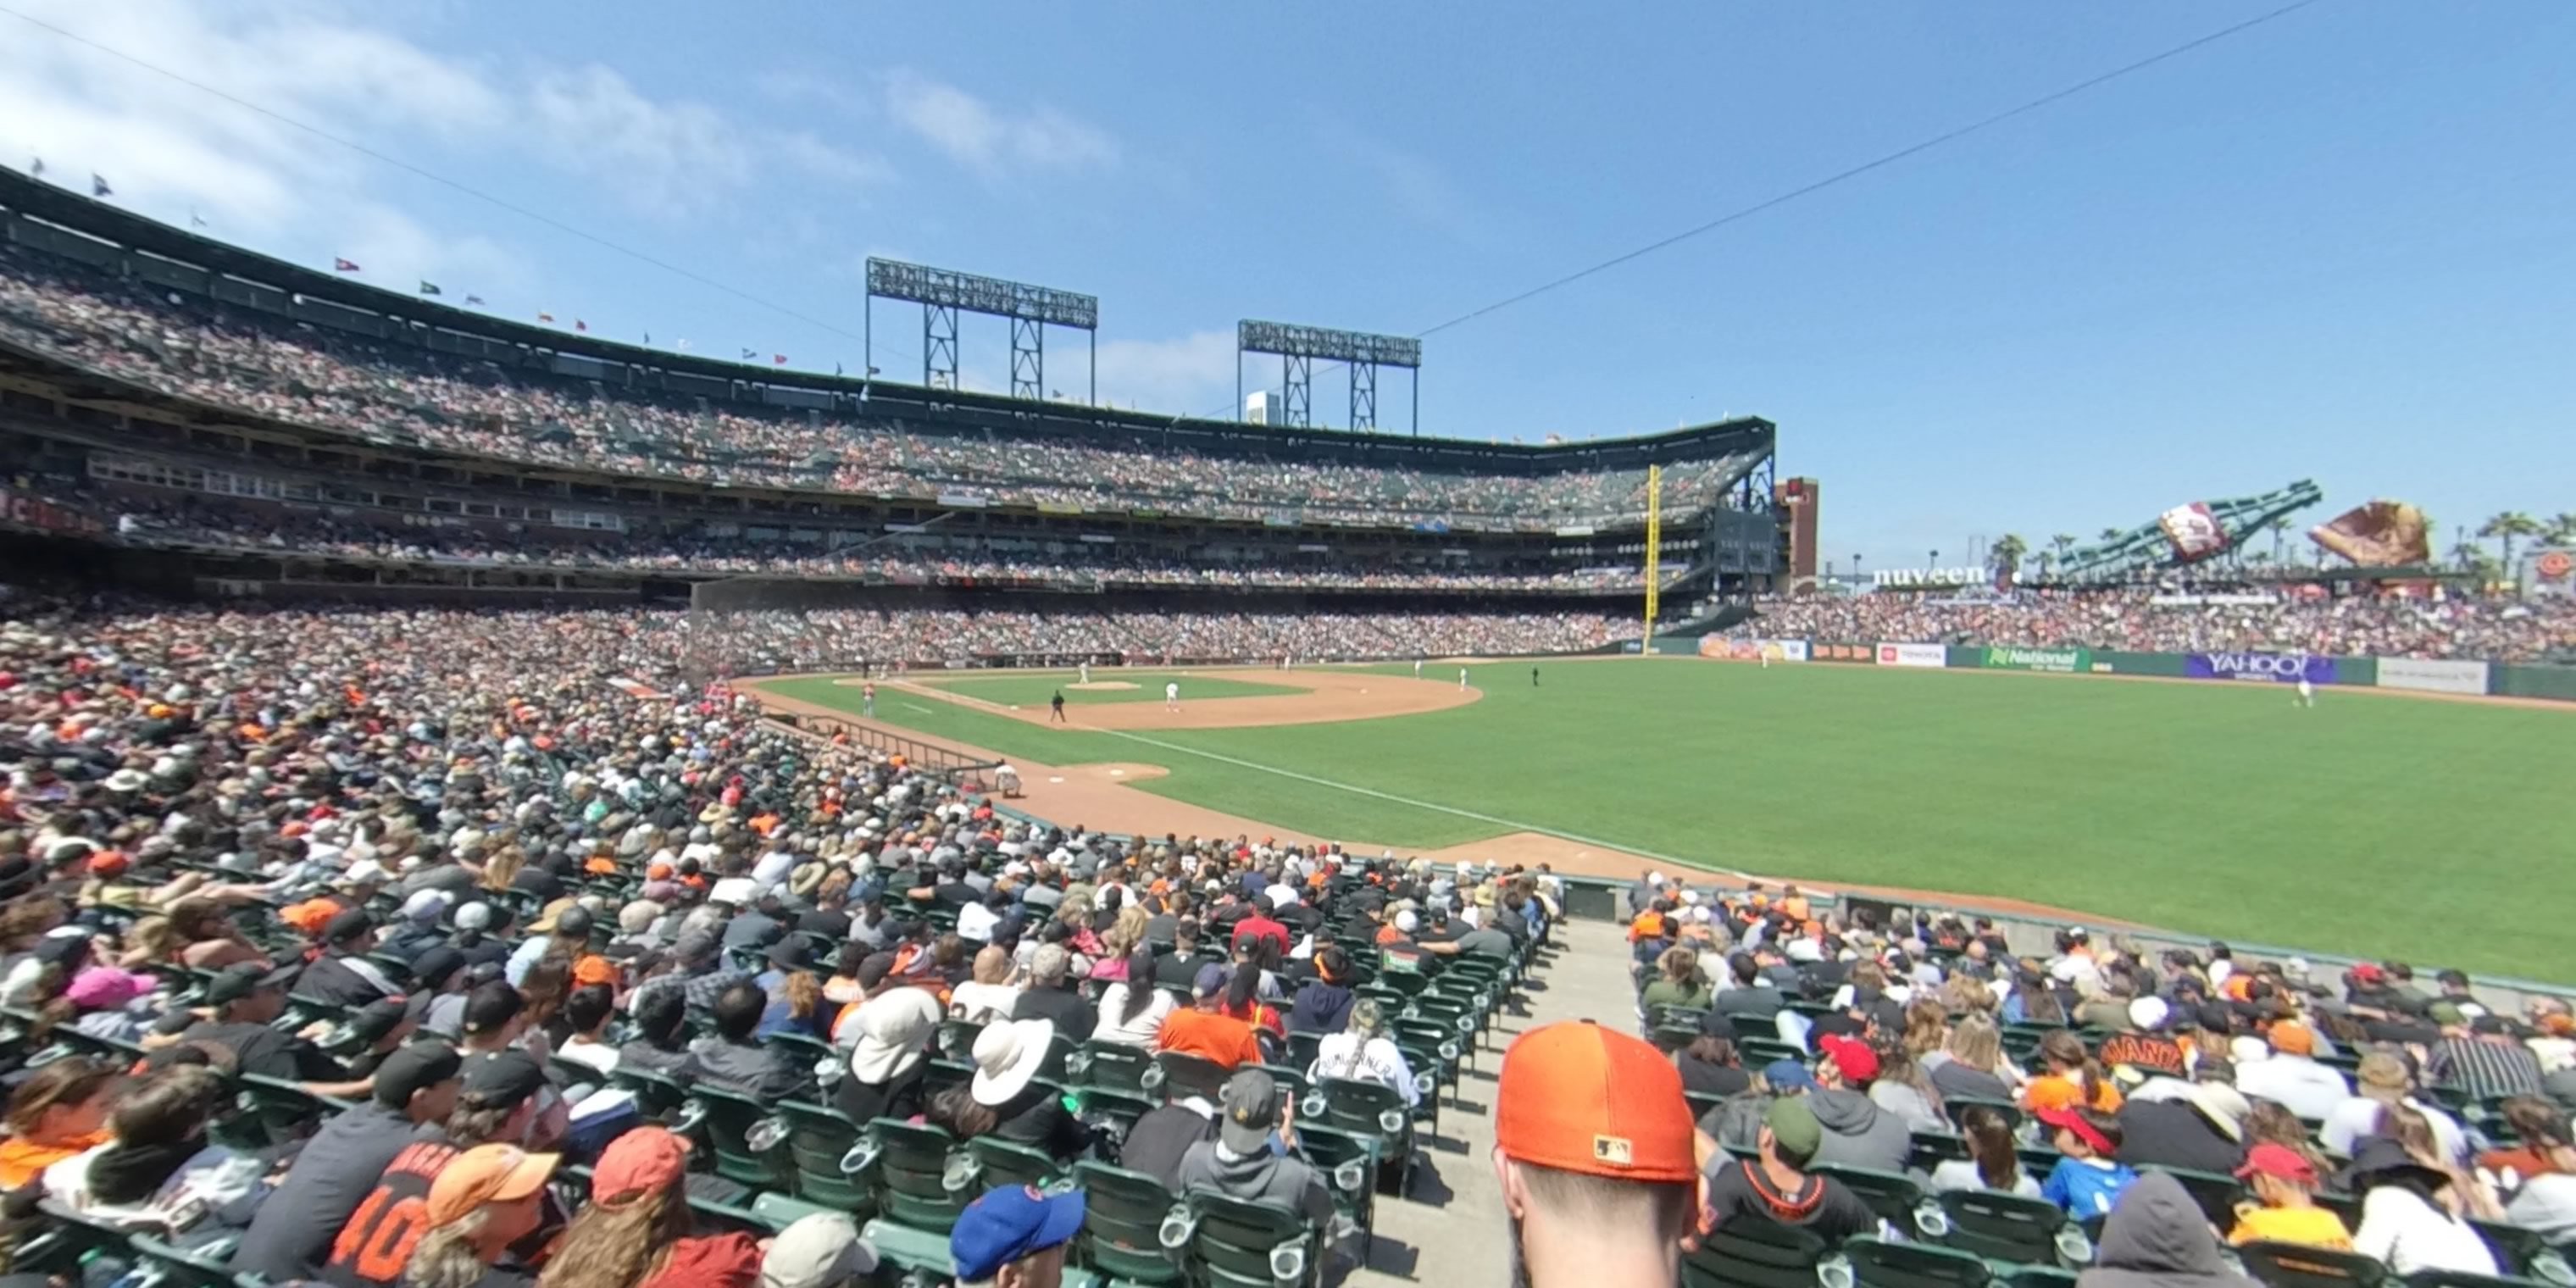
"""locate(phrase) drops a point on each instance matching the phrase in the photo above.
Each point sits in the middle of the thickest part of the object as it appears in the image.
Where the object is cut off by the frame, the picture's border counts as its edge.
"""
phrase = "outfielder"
(2307, 692)
(1171, 695)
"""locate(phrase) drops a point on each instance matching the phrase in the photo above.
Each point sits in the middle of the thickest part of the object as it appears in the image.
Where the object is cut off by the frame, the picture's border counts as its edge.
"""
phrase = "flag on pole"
(546, 317)
(836, 368)
(778, 359)
(343, 266)
(98, 186)
(195, 220)
(430, 288)
(749, 354)
(579, 325)
(36, 166)
(648, 337)
(474, 299)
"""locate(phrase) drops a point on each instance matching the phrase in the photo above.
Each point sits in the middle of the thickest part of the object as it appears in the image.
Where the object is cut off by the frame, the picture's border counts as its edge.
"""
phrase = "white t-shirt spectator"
(1139, 1031)
(2303, 1086)
(2358, 1117)
(1343, 1055)
(2409, 1234)
(980, 1003)
(975, 922)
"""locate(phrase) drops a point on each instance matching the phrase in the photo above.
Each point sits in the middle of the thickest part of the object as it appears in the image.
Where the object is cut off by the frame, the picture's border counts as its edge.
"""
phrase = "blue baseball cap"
(1008, 1224)
(1788, 1075)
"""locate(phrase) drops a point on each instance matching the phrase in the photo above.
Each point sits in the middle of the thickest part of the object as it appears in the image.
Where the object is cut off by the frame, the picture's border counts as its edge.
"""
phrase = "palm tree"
(2562, 528)
(2110, 534)
(2466, 553)
(2505, 527)
(2006, 555)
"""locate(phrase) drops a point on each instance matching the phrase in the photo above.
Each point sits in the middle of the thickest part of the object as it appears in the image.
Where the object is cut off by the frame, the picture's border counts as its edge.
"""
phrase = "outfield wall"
(2490, 679)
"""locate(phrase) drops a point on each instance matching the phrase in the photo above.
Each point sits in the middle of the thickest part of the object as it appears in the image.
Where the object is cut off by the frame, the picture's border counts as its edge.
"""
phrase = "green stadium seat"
(2291, 1265)
(1883, 1263)
(1753, 1254)
(1122, 1227)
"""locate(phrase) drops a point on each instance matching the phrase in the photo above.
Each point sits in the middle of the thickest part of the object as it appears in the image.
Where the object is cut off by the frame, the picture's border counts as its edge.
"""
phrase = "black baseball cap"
(348, 925)
(238, 982)
(414, 1068)
(500, 1080)
(431, 970)
(491, 1006)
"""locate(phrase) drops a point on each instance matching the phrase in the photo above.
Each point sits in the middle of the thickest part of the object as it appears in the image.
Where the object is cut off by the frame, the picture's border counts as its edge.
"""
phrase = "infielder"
(1171, 695)
(1462, 677)
(1086, 673)
(1417, 668)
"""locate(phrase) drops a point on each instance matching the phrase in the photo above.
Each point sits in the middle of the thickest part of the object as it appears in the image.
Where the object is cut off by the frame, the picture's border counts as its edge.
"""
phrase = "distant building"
(1264, 407)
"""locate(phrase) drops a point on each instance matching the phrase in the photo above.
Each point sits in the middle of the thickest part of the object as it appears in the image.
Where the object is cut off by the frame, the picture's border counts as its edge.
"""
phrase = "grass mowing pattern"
(1035, 690)
(2433, 831)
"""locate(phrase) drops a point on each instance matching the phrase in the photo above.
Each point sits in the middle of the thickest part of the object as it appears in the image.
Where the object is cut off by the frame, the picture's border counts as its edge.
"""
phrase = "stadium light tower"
(1299, 346)
(942, 292)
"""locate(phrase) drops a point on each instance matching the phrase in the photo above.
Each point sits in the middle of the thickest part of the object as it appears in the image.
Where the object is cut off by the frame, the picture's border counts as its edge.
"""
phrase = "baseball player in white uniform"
(1171, 695)
(1462, 677)
(1417, 668)
(1086, 673)
(2307, 692)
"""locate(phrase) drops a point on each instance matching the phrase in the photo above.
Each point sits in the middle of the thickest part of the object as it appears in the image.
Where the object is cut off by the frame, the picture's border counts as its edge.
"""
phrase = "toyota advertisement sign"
(2280, 668)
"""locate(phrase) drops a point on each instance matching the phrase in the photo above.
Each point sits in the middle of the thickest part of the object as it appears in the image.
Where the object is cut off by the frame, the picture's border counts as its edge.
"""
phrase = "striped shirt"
(2487, 1070)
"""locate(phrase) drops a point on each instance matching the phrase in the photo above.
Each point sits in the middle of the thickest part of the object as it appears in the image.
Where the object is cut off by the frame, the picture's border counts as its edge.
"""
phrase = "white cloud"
(333, 64)
(982, 137)
(1186, 375)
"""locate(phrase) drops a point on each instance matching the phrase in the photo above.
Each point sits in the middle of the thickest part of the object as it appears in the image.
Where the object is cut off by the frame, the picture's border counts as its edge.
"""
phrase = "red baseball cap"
(1852, 1057)
(1577, 1097)
(646, 1160)
(2280, 1161)
(2071, 1119)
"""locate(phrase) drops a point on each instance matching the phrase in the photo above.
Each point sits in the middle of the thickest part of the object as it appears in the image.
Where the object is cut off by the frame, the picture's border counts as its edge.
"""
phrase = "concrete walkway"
(1452, 1230)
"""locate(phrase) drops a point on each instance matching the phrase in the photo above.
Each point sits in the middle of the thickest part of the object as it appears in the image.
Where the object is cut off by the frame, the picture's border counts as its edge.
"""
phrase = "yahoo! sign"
(2282, 668)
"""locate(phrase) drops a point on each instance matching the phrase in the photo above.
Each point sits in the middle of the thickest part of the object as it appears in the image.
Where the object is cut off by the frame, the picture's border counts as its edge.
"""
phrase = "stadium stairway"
(1452, 1229)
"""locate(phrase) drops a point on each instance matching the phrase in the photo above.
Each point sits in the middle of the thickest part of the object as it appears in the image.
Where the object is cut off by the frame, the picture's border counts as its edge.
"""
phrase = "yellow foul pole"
(1654, 554)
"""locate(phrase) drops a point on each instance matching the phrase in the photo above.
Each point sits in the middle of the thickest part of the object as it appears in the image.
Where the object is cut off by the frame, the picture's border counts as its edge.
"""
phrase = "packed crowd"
(456, 895)
(2192, 1095)
(194, 524)
(255, 363)
(842, 639)
(2363, 626)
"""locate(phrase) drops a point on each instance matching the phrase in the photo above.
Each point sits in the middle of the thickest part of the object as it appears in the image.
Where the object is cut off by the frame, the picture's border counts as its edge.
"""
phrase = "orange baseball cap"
(647, 1160)
(595, 969)
(487, 1174)
(1581, 1098)
(2293, 1038)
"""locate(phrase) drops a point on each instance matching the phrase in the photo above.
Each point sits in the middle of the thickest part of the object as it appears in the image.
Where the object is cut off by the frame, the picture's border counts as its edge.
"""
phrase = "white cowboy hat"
(1008, 1054)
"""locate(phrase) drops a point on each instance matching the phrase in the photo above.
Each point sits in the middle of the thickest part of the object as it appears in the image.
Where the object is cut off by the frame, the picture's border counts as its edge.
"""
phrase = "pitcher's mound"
(1102, 684)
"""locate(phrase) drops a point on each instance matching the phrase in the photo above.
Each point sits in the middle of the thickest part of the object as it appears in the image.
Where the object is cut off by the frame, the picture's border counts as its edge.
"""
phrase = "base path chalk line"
(1355, 789)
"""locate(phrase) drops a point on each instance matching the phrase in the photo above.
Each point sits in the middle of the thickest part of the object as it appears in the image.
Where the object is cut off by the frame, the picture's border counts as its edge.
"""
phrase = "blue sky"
(2335, 246)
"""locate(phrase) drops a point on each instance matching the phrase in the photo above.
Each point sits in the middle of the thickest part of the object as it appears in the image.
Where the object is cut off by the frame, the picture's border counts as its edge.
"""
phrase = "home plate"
(1056, 779)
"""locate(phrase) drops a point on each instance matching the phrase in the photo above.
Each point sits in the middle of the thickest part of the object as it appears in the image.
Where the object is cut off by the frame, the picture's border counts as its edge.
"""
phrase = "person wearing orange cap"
(637, 1232)
(1592, 1146)
(488, 1198)
(2292, 1077)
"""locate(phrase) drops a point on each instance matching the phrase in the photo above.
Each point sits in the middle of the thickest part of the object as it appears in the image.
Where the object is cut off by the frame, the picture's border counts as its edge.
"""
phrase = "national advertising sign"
(2431, 676)
(2073, 660)
(1912, 655)
(2281, 668)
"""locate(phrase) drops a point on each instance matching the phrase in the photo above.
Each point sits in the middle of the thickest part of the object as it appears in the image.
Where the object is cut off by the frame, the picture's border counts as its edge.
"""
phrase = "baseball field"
(2439, 832)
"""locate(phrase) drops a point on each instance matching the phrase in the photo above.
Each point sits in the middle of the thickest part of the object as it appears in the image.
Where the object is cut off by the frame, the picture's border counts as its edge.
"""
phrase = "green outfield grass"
(2440, 832)
(1036, 690)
